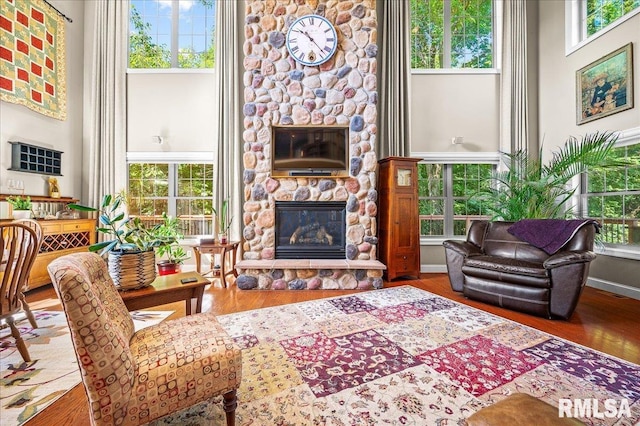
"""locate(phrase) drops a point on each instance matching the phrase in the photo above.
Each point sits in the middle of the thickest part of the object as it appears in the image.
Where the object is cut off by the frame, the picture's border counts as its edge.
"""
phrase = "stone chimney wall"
(279, 91)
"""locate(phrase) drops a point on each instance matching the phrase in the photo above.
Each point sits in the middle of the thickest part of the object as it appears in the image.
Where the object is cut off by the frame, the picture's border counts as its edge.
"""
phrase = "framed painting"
(605, 86)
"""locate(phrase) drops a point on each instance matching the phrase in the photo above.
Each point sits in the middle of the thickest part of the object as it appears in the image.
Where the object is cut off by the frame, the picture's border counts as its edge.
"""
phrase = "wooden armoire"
(398, 224)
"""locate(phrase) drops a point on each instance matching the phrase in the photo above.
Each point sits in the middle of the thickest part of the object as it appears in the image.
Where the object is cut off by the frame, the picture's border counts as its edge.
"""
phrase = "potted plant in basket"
(21, 206)
(224, 222)
(174, 254)
(129, 243)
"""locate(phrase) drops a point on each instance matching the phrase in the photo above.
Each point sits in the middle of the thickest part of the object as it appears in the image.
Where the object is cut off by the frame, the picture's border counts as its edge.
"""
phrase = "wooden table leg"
(199, 297)
(196, 253)
(223, 261)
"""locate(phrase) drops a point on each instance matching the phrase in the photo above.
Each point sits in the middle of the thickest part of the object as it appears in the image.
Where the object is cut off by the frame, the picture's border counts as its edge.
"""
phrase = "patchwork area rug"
(404, 356)
(26, 388)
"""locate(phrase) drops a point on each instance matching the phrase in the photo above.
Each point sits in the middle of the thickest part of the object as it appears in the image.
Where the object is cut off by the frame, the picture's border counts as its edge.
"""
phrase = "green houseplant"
(21, 206)
(169, 232)
(529, 189)
(128, 243)
(223, 221)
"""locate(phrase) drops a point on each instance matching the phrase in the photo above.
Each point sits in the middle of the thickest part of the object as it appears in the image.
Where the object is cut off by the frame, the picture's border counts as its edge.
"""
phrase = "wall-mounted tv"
(309, 150)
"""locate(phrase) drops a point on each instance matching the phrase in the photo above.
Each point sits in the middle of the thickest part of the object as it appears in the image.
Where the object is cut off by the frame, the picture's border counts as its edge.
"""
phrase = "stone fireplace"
(280, 92)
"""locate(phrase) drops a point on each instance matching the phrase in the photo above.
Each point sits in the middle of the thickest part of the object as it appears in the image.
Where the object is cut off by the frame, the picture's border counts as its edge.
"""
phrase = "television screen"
(313, 149)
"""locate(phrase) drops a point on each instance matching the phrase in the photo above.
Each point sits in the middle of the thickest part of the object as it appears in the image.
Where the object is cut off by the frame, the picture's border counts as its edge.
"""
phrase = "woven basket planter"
(131, 270)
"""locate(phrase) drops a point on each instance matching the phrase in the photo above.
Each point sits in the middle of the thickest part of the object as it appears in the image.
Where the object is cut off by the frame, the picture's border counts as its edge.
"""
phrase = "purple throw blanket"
(548, 234)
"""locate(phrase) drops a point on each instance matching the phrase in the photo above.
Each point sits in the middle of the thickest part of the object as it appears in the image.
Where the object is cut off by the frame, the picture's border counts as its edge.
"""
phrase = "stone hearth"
(278, 91)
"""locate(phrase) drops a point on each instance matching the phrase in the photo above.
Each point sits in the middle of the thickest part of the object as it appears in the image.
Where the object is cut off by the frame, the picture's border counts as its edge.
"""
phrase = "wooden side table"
(168, 289)
(231, 248)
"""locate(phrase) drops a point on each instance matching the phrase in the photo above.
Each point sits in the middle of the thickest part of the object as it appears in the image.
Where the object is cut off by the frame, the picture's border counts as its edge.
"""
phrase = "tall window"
(452, 34)
(589, 19)
(184, 191)
(612, 196)
(172, 34)
(443, 192)
(601, 13)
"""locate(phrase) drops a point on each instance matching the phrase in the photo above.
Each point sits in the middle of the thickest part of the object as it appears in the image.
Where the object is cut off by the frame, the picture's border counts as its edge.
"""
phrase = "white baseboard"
(433, 269)
(621, 289)
(616, 288)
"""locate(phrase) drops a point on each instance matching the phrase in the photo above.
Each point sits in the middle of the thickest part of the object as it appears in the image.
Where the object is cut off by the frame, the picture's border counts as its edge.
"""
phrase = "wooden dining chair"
(19, 250)
(33, 224)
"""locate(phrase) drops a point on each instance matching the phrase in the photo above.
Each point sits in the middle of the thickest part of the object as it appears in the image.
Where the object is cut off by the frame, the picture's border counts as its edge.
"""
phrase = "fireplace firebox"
(310, 229)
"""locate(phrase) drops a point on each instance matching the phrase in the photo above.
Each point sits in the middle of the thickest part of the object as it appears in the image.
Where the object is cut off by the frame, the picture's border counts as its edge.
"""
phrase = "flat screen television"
(310, 150)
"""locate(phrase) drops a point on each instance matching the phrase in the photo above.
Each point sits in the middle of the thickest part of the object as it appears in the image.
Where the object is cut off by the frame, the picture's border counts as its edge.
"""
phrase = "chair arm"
(464, 248)
(456, 252)
(568, 272)
(568, 257)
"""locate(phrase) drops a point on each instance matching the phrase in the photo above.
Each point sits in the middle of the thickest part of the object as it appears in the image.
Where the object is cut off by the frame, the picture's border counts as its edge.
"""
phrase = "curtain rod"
(59, 13)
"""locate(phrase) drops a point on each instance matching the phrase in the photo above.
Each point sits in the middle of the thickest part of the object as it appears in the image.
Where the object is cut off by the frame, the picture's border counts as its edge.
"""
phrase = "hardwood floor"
(602, 321)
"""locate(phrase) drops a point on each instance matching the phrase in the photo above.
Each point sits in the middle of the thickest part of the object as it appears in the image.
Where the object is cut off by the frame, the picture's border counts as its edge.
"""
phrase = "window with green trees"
(172, 34)
(612, 197)
(601, 13)
(452, 34)
(443, 196)
(184, 191)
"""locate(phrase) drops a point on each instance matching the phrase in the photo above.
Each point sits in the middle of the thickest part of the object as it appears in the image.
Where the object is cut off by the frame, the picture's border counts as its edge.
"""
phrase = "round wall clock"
(312, 40)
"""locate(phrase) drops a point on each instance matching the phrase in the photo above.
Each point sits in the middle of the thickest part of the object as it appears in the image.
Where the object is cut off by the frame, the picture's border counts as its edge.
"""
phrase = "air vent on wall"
(35, 159)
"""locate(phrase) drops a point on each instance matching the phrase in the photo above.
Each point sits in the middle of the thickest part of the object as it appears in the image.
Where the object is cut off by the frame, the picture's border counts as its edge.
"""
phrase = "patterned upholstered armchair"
(131, 377)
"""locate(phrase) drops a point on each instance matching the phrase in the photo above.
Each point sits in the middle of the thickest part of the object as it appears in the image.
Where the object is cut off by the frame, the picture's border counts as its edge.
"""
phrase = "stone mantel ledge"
(309, 274)
(309, 264)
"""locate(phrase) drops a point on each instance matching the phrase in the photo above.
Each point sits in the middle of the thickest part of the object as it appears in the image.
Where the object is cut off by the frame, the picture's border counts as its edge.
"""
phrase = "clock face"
(312, 40)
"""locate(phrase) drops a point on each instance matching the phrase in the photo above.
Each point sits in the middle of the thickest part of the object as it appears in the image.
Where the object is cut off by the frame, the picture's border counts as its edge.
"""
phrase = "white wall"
(557, 76)
(448, 105)
(18, 123)
(177, 106)
(557, 108)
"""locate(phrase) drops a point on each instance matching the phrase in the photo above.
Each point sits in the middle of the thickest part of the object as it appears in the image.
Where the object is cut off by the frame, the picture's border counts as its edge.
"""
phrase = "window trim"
(625, 251)
(170, 157)
(174, 48)
(574, 10)
(496, 33)
(170, 70)
(453, 158)
(458, 157)
(452, 71)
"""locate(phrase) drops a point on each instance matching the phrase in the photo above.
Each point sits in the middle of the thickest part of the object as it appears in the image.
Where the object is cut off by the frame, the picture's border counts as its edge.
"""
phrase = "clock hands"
(306, 34)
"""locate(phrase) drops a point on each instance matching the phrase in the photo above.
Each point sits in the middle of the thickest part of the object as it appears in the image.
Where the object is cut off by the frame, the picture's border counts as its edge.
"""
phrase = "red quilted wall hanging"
(32, 57)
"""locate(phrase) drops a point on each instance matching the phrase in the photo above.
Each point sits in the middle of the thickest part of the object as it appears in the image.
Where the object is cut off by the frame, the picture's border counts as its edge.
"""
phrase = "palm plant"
(528, 189)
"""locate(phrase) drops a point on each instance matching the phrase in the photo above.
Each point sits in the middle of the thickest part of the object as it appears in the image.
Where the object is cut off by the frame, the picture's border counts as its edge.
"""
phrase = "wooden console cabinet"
(60, 237)
(398, 220)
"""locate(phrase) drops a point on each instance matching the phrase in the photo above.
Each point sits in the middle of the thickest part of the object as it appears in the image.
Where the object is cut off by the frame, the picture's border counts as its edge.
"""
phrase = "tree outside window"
(184, 191)
(452, 34)
(172, 34)
(601, 13)
(612, 197)
(444, 192)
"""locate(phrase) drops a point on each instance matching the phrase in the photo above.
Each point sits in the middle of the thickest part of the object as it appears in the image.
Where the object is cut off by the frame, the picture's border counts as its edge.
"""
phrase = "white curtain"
(105, 132)
(514, 120)
(227, 157)
(394, 105)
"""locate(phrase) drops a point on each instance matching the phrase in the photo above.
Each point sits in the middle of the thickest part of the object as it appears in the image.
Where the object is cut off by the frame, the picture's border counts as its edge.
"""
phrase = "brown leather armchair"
(496, 267)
